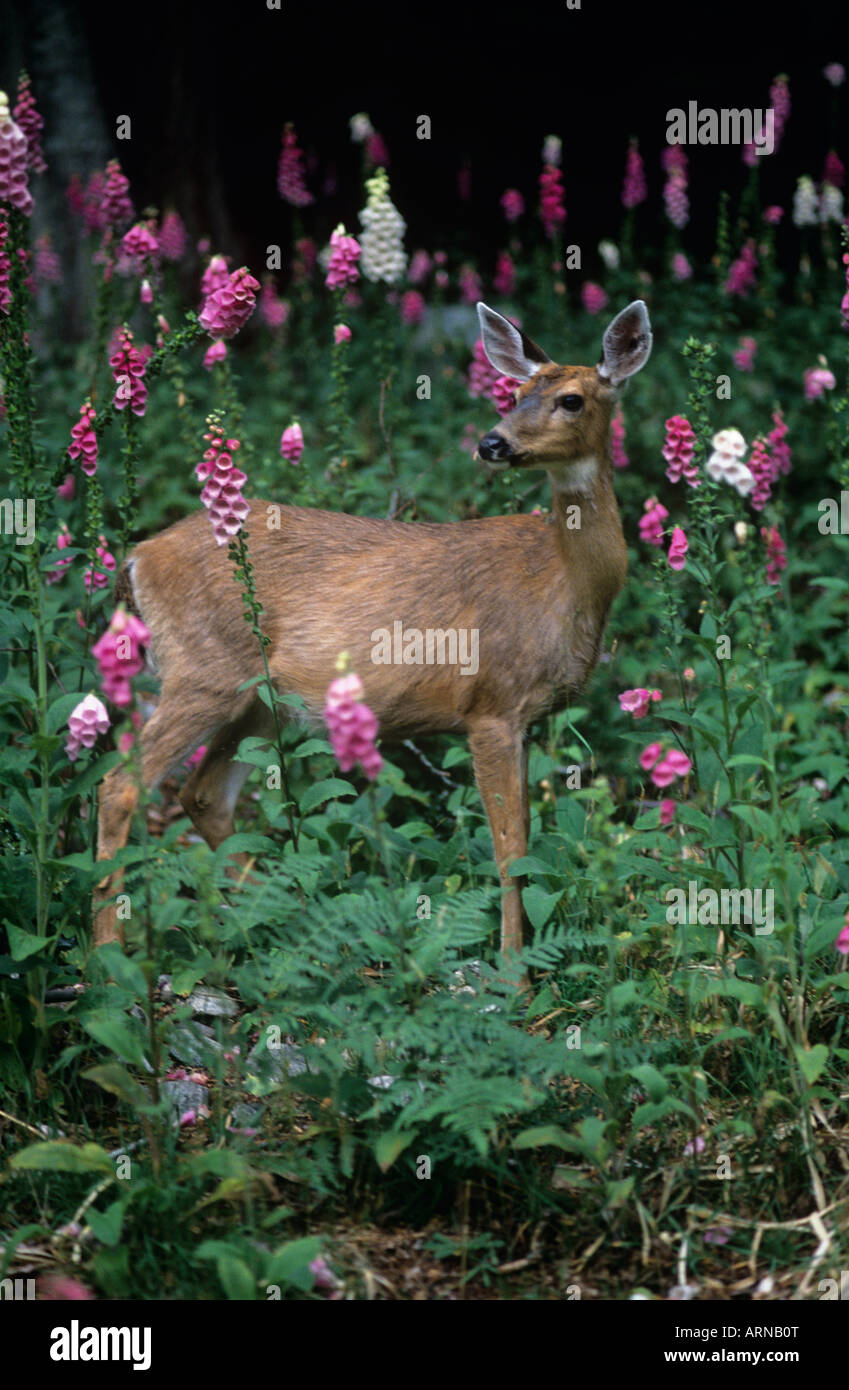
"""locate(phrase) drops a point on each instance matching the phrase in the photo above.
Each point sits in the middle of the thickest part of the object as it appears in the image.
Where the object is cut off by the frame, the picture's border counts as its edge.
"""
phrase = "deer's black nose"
(494, 448)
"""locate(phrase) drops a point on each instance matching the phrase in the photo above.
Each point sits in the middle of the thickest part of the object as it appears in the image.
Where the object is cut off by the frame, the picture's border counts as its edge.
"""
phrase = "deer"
(537, 589)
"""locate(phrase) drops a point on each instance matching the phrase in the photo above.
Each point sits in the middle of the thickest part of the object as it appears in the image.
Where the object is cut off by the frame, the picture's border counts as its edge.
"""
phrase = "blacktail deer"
(536, 589)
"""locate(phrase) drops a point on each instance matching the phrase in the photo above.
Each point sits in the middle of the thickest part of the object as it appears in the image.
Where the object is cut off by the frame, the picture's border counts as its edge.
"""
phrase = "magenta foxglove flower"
(833, 170)
(503, 394)
(172, 237)
(83, 444)
(48, 267)
(118, 653)
(667, 811)
(216, 352)
(593, 297)
(634, 189)
(419, 267)
(617, 439)
(14, 187)
(504, 279)
(471, 288)
(137, 249)
(215, 276)
(222, 494)
(649, 756)
(482, 375)
(128, 365)
(779, 100)
(764, 470)
(31, 123)
(681, 268)
(678, 451)
(744, 355)
(842, 942)
(817, 381)
(741, 273)
(115, 204)
(5, 268)
(552, 208)
(88, 719)
(673, 764)
(651, 522)
(292, 443)
(678, 547)
(226, 311)
(773, 214)
(342, 333)
(66, 489)
(63, 540)
(290, 172)
(512, 204)
(779, 449)
(637, 701)
(413, 307)
(343, 268)
(377, 151)
(97, 579)
(273, 310)
(352, 726)
(776, 554)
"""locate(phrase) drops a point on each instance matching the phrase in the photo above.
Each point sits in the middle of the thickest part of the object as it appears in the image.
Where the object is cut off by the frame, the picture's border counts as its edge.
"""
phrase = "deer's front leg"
(501, 772)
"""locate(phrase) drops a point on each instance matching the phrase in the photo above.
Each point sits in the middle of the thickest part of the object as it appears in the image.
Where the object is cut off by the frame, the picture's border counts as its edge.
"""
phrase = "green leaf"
(811, 1063)
(311, 746)
(291, 1263)
(539, 905)
(121, 1035)
(323, 791)
(24, 943)
(61, 1156)
(236, 1278)
(542, 1135)
(107, 1224)
(390, 1145)
(117, 1080)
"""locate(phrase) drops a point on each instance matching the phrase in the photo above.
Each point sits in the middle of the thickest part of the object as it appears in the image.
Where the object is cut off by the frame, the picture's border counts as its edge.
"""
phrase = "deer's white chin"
(574, 475)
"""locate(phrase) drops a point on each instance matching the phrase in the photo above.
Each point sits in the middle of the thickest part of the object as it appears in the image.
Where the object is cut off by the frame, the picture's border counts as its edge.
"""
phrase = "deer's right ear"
(626, 345)
(510, 351)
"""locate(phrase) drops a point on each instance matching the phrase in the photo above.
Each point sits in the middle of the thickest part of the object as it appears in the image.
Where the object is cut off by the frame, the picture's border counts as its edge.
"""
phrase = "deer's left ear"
(626, 345)
(510, 351)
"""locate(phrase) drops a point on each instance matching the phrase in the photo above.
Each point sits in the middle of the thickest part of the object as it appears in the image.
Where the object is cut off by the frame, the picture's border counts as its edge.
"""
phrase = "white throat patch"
(579, 475)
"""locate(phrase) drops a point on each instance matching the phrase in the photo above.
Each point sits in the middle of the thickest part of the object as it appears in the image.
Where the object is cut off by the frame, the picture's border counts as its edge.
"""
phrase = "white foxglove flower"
(609, 253)
(805, 207)
(361, 128)
(382, 241)
(729, 442)
(552, 150)
(831, 204)
(725, 468)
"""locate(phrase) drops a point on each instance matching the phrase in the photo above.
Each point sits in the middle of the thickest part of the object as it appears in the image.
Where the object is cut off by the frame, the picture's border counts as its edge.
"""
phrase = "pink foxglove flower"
(678, 547)
(98, 579)
(634, 190)
(118, 653)
(741, 273)
(818, 380)
(503, 394)
(678, 451)
(31, 123)
(835, 74)
(617, 439)
(779, 100)
(226, 311)
(419, 267)
(128, 365)
(675, 198)
(471, 289)
(88, 719)
(842, 942)
(5, 268)
(222, 494)
(215, 276)
(764, 470)
(593, 297)
(63, 540)
(172, 237)
(482, 375)
(673, 764)
(83, 444)
(273, 310)
(352, 726)
(649, 756)
(780, 451)
(290, 172)
(651, 522)
(377, 151)
(833, 170)
(292, 443)
(413, 307)
(744, 355)
(681, 268)
(216, 352)
(14, 187)
(667, 811)
(773, 215)
(776, 556)
(343, 268)
(115, 204)
(66, 489)
(137, 249)
(637, 701)
(48, 267)
(504, 279)
(552, 209)
(512, 204)
(342, 333)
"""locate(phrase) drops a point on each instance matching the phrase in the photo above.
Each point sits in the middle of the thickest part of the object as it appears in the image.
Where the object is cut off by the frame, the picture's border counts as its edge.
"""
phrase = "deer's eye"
(571, 403)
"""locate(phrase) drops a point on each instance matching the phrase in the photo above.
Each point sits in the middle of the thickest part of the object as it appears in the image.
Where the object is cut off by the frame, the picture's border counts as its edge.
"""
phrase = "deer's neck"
(589, 527)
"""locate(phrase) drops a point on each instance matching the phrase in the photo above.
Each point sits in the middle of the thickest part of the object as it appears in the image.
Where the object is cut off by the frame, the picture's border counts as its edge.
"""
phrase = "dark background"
(209, 87)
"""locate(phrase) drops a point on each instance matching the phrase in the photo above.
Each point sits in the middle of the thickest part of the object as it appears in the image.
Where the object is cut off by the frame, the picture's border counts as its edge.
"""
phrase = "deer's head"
(561, 421)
